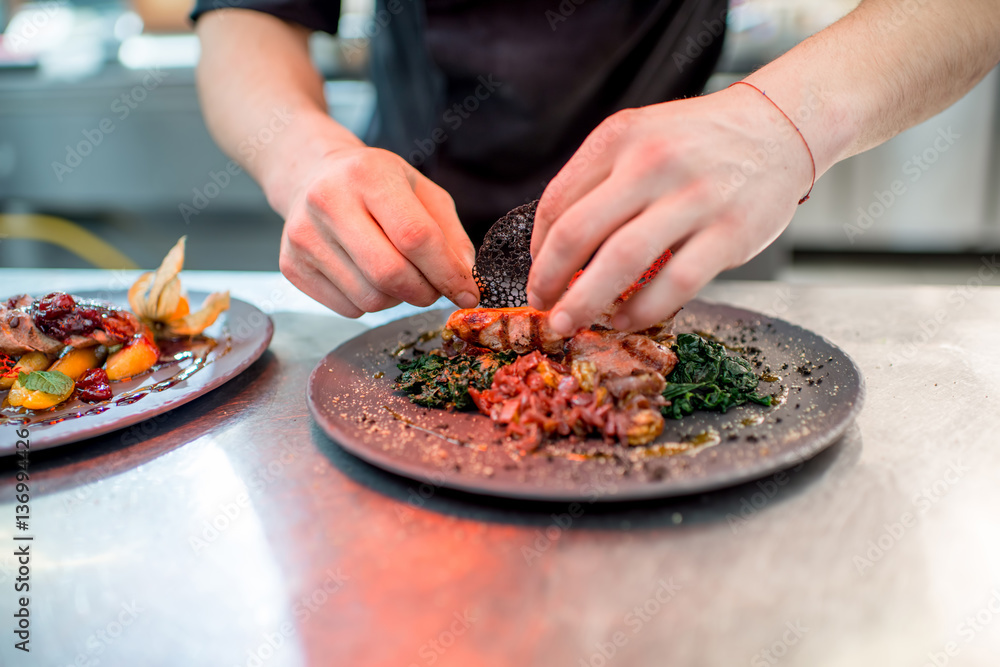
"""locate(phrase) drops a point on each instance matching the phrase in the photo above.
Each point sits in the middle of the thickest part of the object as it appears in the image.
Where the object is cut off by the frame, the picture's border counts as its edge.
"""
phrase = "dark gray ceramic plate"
(241, 334)
(820, 392)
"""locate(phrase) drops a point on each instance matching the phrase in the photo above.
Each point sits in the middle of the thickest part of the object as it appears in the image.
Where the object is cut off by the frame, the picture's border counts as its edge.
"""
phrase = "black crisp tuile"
(504, 260)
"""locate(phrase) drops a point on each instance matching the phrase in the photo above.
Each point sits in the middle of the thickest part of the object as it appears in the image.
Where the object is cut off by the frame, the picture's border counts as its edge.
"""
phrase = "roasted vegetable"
(441, 382)
(40, 390)
(137, 357)
(708, 378)
(30, 361)
(76, 362)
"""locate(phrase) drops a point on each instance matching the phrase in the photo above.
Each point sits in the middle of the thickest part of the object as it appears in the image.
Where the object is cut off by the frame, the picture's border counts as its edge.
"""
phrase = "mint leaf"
(50, 382)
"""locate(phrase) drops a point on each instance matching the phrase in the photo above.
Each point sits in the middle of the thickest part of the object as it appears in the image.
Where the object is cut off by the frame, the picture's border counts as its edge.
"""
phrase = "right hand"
(366, 231)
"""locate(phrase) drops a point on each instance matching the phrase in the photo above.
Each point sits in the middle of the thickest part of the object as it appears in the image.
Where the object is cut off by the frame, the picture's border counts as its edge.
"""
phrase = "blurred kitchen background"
(99, 125)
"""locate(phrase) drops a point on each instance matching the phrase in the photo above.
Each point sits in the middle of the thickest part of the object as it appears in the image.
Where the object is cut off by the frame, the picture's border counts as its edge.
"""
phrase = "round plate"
(242, 334)
(351, 395)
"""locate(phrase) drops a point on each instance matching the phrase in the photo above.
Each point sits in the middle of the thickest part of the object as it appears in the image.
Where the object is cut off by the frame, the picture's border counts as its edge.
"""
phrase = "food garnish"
(94, 386)
(156, 297)
(438, 381)
(59, 343)
(40, 390)
(598, 381)
(709, 378)
(597, 388)
(537, 397)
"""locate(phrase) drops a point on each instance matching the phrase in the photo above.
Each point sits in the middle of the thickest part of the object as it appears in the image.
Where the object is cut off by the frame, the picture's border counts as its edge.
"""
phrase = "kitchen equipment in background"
(931, 189)
(945, 171)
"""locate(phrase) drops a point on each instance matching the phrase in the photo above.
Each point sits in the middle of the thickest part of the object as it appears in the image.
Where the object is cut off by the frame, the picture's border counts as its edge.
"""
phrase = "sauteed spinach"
(707, 378)
(440, 382)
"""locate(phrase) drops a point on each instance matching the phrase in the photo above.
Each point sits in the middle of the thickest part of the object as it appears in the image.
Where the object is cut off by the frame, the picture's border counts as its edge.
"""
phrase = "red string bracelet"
(801, 136)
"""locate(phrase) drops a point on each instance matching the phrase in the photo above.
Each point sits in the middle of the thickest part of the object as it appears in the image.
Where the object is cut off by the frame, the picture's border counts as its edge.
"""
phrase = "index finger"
(589, 166)
(419, 237)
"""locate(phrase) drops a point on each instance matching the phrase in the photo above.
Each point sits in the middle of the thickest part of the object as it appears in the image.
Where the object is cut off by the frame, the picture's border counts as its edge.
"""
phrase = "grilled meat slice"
(58, 320)
(617, 354)
(651, 384)
(505, 329)
(18, 334)
(523, 330)
(661, 332)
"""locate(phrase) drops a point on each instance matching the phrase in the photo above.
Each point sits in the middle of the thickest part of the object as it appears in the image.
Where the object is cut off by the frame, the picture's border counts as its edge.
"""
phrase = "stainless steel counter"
(233, 532)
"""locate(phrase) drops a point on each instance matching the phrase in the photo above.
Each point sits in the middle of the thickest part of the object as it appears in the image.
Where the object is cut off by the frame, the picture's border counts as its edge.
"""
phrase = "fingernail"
(622, 322)
(561, 323)
(535, 301)
(466, 300)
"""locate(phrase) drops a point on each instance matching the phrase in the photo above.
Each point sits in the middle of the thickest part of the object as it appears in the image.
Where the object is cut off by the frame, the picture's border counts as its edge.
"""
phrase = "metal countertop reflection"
(232, 531)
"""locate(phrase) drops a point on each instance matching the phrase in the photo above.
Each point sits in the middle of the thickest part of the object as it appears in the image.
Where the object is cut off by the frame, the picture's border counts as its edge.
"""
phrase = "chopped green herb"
(440, 382)
(50, 382)
(707, 378)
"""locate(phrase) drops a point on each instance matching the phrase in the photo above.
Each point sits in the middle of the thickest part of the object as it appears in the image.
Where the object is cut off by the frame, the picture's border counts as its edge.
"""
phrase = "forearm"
(263, 99)
(887, 66)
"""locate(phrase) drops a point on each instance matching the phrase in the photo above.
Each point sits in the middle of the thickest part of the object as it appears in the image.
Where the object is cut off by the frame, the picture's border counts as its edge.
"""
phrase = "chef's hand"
(366, 231)
(715, 179)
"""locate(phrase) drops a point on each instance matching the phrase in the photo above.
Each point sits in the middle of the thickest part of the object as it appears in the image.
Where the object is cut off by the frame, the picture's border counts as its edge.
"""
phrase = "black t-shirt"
(489, 98)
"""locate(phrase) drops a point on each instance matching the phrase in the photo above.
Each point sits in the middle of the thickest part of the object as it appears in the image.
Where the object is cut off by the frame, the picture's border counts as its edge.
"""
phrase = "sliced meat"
(617, 354)
(18, 334)
(647, 383)
(19, 301)
(521, 330)
(661, 332)
(57, 320)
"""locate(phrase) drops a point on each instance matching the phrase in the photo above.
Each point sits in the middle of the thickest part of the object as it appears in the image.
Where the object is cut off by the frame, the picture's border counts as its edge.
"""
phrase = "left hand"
(715, 179)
